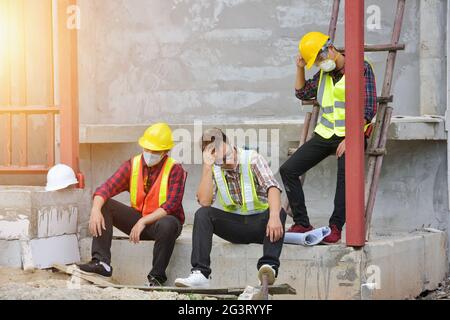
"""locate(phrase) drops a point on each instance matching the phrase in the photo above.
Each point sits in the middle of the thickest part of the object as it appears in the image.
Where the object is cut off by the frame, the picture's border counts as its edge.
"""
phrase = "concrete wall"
(225, 60)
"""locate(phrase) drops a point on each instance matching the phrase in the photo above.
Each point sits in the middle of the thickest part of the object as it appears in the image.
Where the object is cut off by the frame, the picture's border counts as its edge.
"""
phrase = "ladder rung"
(380, 47)
(379, 100)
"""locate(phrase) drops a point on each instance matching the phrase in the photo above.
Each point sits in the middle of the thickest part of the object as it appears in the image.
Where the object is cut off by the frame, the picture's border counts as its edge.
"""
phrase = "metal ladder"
(377, 145)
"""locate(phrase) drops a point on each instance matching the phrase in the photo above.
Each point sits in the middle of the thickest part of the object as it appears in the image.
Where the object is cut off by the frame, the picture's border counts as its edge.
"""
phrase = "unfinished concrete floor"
(16, 284)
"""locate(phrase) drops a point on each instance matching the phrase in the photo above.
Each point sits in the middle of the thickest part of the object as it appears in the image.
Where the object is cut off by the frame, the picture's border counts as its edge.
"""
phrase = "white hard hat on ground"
(59, 177)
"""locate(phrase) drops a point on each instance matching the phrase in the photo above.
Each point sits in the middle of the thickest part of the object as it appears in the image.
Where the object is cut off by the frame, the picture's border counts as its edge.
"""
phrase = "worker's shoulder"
(367, 66)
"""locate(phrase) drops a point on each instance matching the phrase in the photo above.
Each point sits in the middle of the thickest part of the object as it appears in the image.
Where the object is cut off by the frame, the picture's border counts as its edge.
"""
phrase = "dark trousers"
(234, 228)
(306, 157)
(164, 231)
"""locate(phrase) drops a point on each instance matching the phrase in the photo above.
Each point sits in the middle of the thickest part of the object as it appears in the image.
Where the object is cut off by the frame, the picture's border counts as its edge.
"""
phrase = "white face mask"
(327, 65)
(151, 159)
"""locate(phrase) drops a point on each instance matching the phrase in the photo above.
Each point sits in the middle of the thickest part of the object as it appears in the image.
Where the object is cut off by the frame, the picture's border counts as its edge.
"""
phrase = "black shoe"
(96, 267)
(154, 282)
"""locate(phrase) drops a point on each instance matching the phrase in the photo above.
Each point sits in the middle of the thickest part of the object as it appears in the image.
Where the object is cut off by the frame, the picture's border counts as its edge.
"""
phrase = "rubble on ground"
(16, 284)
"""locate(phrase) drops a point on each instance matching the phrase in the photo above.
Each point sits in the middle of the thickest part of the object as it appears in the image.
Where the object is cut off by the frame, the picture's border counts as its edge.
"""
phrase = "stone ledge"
(402, 128)
(408, 264)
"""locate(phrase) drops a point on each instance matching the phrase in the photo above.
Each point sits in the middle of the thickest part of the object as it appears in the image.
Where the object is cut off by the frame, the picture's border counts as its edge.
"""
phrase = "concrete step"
(402, 265)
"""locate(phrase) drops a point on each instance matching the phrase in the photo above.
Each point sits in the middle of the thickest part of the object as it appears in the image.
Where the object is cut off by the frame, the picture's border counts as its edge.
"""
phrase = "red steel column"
(354, 162)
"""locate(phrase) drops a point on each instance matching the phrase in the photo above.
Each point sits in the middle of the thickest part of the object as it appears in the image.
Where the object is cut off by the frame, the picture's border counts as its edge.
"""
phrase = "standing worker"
(328, 87)
(156, 185)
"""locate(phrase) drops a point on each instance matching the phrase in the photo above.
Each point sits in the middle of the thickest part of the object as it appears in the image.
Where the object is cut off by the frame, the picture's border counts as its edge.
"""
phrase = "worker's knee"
(202, 214)
(168, 226)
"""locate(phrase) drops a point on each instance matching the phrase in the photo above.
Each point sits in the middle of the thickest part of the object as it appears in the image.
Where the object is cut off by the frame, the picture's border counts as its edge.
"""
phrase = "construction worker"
(156, 185)
(251, 212)
(328, 87)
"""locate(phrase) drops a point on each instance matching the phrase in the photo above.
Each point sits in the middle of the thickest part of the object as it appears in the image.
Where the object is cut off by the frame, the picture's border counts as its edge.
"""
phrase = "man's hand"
(300, 62)
(135, 234)
(209, 156)
(341, 149)
(274, 229)
(96, 222)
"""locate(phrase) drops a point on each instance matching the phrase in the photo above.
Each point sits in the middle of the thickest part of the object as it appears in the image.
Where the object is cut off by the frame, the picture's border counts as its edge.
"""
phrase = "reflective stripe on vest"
(331, 98)
(147, 203)
(250, 200)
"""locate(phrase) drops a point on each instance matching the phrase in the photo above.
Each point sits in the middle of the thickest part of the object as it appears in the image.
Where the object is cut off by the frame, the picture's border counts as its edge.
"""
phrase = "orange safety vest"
(147, 203)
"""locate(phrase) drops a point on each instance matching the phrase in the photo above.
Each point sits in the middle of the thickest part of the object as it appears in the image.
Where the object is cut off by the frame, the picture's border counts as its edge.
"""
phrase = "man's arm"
(267, 180)
(370, 97)
(116, 184)
(205, 192)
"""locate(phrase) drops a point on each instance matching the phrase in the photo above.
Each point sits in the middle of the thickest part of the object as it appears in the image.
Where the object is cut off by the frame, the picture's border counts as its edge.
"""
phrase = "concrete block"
(14, 229)
(10, 254)
(30, 212)
(60, 249)
(56, 221)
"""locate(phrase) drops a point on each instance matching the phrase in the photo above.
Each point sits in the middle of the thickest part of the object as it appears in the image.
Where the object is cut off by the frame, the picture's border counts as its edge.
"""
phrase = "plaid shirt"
(263, 177)
(309, 91)
(120, 182)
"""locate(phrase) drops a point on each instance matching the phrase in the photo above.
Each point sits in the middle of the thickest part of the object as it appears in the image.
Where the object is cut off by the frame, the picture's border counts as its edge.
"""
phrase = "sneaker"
(195, 279)
(298, 228)
(334, 237)
(96, 267)
(269, 271)
(153, 282)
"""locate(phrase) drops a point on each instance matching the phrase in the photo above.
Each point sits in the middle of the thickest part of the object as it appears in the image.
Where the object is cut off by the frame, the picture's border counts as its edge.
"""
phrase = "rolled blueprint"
(310, 238)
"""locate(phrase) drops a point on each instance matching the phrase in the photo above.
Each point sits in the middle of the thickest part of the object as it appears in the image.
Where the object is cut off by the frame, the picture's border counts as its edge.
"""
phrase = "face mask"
(327, 65)
(151, 159)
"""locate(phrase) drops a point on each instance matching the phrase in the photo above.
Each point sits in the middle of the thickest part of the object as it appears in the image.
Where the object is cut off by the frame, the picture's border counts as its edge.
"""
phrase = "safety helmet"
(158, 137)
(310, 46)
(59, 177)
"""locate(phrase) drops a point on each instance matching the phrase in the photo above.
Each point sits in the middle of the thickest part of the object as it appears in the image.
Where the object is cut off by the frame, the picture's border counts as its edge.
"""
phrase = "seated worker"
(156, 185)
(251, 212)
(328, 87)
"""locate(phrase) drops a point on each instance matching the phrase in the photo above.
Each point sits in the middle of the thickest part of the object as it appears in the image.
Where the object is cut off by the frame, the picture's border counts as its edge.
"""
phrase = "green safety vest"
(331, 98)
(251, 202)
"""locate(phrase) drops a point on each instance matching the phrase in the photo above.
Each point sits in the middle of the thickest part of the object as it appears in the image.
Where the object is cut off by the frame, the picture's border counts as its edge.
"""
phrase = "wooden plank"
(379, 48)
(17, 53)
(50, 140)
(100, 282)
(7, 149)
(23, 140)
(282, 289)
(39, 52)
(380, 99)
(5, 82)
(73, 270)
(29, 110)
(35, 169)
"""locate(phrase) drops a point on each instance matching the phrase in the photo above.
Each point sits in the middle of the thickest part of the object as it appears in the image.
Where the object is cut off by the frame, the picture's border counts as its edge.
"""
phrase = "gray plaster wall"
(142, 61)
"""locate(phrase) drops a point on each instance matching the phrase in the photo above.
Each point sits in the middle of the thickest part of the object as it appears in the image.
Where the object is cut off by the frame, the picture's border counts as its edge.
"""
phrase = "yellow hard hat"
(310, 46)
(158, 137)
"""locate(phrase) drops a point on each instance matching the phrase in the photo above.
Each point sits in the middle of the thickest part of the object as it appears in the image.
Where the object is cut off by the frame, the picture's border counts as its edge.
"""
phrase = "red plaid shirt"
(120, 182)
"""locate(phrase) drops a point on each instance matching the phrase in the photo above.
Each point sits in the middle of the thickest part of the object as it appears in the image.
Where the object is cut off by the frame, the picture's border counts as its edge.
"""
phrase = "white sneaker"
(269, 271)
(195, 279)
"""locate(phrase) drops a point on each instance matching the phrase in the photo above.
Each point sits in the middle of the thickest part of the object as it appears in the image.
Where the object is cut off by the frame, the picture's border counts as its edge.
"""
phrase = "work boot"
(298, 228)
(334, 237)
(154, 282)
(96, 267)
(196, 279)
(269, 271)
